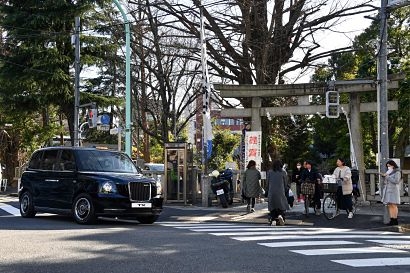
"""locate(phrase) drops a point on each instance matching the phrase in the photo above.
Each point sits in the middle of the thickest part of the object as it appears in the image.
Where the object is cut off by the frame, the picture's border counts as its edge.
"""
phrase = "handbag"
(307, 188)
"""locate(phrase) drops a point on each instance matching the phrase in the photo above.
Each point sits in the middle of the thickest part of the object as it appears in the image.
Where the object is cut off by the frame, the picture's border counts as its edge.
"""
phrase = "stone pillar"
(256, 115)
(357, 139)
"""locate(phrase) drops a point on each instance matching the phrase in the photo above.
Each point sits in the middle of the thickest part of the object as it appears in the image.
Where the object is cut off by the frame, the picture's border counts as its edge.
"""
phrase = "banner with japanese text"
(253, 147)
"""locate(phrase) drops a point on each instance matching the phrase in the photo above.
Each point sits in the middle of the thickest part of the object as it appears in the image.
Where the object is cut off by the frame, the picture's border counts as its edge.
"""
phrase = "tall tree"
(36, 57)
(261, 42)
(362, 64)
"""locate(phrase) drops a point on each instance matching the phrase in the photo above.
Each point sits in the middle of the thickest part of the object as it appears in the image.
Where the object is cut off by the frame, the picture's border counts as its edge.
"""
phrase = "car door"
(64, 189)
(33, 179)
(48, 179)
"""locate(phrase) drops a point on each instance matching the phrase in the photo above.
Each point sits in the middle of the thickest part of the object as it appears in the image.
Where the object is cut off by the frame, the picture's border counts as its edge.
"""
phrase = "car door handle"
(51, 180)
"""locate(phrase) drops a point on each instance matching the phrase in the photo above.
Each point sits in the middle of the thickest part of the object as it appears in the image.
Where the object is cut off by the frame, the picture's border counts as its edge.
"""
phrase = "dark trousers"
(275, 213)
(344, 201)
(298, 194)
(250, 200)
(317, 196)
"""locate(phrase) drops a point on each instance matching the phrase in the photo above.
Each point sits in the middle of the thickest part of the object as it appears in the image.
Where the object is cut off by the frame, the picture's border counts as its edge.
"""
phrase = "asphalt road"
(189, 239)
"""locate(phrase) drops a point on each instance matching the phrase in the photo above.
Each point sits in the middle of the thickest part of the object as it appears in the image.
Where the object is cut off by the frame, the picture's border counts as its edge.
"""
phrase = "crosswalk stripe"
(10, 209)
(308, 243)
(243, 232)
(373, 262)
(306, 237)
(298, 237)
(337, 251)
(188, 225)
(391, 242)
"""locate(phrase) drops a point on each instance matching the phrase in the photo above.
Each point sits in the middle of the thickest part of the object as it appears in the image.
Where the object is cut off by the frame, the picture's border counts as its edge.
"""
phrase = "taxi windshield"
(105, 161)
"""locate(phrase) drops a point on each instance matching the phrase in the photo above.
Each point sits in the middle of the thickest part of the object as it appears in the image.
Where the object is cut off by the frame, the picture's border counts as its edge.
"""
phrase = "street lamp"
(128, 129)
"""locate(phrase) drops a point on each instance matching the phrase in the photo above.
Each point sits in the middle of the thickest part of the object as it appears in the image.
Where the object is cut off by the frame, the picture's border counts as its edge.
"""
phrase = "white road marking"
(243, 232)
(337, 251)
(308, 243)
(391, 242)
(373, 262)
(10, 209)
(298, 237)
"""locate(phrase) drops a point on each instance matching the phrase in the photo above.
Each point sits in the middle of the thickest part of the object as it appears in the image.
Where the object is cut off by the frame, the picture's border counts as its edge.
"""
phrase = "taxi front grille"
(139, 191)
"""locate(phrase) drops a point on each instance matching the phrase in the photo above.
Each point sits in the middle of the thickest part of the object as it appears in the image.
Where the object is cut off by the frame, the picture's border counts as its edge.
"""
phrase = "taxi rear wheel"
(26, 205)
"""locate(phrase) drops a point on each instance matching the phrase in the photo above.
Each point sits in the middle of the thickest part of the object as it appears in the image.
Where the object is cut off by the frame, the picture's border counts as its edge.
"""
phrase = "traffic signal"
(332, 104)
(92, 118)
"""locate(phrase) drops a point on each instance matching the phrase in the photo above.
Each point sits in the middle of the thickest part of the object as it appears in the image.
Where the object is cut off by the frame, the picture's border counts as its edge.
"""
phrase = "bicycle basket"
(330, 187)
(307, 188)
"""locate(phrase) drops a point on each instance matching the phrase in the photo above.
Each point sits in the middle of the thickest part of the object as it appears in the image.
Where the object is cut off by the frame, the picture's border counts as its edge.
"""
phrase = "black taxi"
(88, 183)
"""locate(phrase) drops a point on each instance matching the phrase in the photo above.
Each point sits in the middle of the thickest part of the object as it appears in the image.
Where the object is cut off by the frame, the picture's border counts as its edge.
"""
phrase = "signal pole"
(77, 81)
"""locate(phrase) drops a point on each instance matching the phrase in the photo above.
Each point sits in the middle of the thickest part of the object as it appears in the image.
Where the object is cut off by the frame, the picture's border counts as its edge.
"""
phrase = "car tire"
(26, 205)
(83, 209)
(147, 219)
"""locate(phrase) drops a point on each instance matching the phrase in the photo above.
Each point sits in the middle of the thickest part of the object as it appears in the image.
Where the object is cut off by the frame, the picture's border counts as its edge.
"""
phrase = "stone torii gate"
(353, 87)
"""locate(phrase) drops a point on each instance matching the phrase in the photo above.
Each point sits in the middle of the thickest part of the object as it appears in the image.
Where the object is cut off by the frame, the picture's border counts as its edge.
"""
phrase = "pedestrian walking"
(343, 176)
(296, 175)
(391, 190)
(276, 179)
(311, 175)
(251, 187)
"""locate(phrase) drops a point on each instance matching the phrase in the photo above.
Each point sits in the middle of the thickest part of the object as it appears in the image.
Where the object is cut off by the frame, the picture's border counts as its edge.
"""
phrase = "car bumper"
(106, 206)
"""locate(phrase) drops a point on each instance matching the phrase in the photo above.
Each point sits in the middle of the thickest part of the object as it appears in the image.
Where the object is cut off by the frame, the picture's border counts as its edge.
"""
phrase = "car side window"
(67, 161)
(49, 161)
(35, 161)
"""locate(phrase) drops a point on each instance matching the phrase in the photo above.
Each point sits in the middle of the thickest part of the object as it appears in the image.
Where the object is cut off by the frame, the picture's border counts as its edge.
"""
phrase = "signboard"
(115, 131)
(102, 127)
(253, 147)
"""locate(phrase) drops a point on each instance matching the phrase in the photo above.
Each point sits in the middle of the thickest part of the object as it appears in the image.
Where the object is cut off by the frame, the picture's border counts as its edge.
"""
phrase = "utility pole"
(383, 146)
(382, 89)
(77, 81)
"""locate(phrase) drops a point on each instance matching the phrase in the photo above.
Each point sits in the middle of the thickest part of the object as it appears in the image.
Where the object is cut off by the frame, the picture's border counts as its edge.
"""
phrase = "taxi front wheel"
(83, 209)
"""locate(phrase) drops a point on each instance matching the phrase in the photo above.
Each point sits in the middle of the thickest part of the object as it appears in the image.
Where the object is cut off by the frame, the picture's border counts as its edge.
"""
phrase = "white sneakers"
(281, 220)
(350, 216)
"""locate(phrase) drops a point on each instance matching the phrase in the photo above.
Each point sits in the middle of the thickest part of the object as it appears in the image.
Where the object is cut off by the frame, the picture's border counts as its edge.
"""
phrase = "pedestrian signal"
(332, 104)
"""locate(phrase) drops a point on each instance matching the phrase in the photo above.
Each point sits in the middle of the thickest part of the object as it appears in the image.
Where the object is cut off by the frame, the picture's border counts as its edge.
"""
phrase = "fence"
(372, 185)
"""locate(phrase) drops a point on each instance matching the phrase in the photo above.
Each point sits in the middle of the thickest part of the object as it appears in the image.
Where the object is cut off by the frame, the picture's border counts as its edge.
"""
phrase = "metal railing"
(372, 185)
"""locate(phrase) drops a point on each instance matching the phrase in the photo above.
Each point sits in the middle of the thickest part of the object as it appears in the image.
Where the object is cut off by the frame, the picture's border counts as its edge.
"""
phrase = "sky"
(343, 36)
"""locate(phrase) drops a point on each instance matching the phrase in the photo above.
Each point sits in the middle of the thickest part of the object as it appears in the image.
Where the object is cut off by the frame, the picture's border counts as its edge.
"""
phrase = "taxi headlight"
(108, 187)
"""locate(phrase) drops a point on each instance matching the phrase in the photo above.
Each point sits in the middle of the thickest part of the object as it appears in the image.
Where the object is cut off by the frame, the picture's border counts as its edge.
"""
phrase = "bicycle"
(308, 191)
(330, 204)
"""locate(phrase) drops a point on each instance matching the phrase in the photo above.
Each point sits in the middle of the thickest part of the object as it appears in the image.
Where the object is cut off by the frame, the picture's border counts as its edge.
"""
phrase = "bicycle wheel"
(329, 207)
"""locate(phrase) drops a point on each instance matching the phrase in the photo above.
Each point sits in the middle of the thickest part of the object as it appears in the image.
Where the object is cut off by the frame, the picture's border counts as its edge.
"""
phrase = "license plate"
(141, 205)
(219, 192)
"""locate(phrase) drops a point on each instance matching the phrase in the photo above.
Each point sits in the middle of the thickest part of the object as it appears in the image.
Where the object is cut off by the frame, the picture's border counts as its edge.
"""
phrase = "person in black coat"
(312, 175)
(296, 176)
